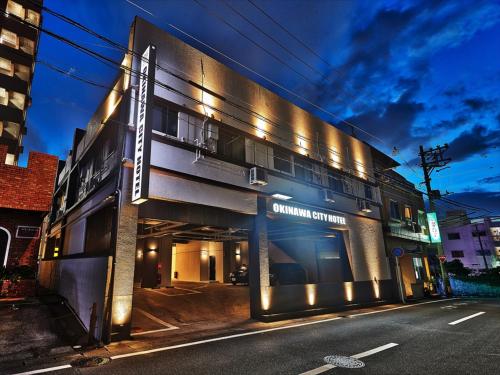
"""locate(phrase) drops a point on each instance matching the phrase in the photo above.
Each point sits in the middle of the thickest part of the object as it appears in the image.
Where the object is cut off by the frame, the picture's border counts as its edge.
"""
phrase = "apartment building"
(188, 170)
(18, 47)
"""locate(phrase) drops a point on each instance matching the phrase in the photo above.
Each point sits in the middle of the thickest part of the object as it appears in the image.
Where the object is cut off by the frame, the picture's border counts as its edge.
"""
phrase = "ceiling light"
(283, 197)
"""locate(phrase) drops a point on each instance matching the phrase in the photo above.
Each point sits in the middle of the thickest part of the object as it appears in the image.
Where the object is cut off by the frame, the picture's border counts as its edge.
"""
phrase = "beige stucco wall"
(187, 261)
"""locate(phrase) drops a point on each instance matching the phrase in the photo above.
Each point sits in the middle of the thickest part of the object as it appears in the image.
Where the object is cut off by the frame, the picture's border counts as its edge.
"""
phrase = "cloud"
(472, 142)
(478, 104)
(490, 180)
(487, 200)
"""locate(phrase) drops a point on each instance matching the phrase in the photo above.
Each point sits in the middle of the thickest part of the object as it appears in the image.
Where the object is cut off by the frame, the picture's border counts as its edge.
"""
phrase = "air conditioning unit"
(364, 206)
(258, 176)
(328, 196)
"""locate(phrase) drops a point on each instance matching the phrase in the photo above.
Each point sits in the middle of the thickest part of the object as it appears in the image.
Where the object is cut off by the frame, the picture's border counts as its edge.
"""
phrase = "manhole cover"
(343, 361)
(90, 362)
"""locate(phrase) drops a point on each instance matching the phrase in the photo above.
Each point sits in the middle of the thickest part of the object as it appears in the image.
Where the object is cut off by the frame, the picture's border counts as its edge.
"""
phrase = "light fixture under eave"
(283, 197)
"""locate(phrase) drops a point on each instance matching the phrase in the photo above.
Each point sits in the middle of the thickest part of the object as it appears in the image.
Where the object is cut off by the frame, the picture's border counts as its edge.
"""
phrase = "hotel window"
(335, 182)
(394, 210)
(231, 145)
(165, 121)
(10, 159)
(282, 161)
(457, 253)
(408, 213)
(33, 17)
(17, 100)
(9, 38)
(27, 45)
(15, 9)
(453, 236)
(22, 72)
(4, 96)
(368, 192)
(258, 154)
(303, 171)
(10, 130)
(6, 66)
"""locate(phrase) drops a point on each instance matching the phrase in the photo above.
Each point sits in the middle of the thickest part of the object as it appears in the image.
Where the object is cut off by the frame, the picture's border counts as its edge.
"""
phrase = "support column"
(165, 261)
(260, 298)
(228, 259)
(122, 278)
(150, 263)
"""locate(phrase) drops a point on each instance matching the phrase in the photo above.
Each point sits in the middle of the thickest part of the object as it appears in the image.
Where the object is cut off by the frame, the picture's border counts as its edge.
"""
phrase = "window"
(368, 192)
(335, 182)
(480, 233)
(98, 231)
(303, 171)
(408, 213)
(419, 268)
(10, 130)
(33, 17)
(27, 45)
(282, 161)
(453, 236)
(6, 67)
(165, 120)
(486, 252)
(231, 145)
(15, 9)
(9, 38)
(457, 254)
(258, 154)
(17, 100)
(22, 72)
(4, 96)
(394, 210)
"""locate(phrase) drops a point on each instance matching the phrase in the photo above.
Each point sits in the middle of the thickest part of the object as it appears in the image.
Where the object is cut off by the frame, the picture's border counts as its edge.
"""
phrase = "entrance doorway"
(212, 268)
(4, 246)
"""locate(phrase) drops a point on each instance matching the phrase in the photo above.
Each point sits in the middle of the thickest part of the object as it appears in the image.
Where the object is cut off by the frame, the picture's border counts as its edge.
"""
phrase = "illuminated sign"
(306, 213)
(143, 129)
(27, 232)
(433, 227)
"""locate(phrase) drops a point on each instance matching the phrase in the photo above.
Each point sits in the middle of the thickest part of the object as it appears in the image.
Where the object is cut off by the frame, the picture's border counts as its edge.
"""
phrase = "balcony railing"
(409, 231)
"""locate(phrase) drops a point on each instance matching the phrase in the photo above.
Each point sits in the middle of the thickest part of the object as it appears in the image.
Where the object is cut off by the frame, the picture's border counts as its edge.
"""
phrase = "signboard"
(143, 131)
(433, 227)
(295, 210)
(27, 232)
(398, 252)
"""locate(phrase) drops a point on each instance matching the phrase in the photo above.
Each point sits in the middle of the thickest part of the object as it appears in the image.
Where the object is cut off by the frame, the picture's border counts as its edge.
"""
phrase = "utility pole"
(481, 246)
(430, 160)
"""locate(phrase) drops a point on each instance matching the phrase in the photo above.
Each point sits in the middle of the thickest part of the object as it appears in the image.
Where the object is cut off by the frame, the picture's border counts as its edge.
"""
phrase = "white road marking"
(466, 318)
(154, 319)
(41, 371)
(173, 295)
(188, 290)
(327, 367)
(161, 349)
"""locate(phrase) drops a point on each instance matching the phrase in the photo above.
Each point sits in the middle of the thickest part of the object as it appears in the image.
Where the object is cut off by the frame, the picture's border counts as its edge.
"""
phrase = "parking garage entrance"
(183, 277)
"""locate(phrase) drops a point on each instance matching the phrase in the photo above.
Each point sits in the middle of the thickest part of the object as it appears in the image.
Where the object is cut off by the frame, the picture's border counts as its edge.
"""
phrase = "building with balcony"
(405, 227)
(188, 170)
(476, 242)
(19, 22)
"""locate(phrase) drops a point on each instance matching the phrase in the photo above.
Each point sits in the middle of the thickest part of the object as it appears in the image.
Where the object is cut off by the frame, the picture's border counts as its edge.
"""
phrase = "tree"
(456, 268)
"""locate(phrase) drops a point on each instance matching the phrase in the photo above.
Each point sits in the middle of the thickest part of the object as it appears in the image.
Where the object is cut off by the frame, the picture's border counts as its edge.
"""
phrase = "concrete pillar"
(138, 263)
(260, 301)
(165, 261)
(122, 281)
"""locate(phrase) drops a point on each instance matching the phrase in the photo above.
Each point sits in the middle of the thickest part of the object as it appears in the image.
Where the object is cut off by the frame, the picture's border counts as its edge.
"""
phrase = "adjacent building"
(405, 228)
(476, 243)
(187, 170)
(19, 22)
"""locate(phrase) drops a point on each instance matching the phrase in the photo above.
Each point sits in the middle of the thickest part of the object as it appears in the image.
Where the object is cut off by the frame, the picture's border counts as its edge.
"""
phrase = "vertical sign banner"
(433, 227)
(144, 126)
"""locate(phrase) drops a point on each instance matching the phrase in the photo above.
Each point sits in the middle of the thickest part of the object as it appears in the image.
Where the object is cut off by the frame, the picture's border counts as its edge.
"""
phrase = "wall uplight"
(311, 294)
(265, 298)
(204, 254)
(348, 290)
(376, 288)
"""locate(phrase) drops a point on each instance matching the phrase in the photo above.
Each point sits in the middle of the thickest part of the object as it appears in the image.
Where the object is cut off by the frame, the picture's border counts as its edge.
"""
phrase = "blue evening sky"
(407, 72)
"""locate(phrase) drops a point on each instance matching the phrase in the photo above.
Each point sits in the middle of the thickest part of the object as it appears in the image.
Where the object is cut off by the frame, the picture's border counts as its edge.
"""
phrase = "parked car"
(287, 274)
(240, 275)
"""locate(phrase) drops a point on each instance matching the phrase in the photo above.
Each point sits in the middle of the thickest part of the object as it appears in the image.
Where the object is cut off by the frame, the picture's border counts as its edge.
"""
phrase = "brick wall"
(28, 188)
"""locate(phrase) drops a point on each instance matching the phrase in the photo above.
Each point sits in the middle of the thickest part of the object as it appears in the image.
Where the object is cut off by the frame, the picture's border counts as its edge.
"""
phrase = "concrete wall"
(187, 261)
(81, 281)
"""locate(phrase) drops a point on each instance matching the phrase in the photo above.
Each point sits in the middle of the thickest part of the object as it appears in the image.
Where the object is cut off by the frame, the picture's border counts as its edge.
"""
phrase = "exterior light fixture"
(283, 197)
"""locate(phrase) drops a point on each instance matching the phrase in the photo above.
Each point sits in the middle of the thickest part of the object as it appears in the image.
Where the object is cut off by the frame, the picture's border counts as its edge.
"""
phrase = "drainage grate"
(343, 361)
(90, 362)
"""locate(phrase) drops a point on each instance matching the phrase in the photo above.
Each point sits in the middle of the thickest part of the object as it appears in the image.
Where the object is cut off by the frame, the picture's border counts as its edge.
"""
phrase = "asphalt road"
(426, 344)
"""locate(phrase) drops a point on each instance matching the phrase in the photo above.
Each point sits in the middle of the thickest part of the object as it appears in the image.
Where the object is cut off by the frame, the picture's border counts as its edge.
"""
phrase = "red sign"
(442, 258)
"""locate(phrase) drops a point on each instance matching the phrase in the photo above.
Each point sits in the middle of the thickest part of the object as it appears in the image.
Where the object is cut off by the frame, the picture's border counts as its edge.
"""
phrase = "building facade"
(476, 243)
(19, 22)
(188, 170)
(405, 227)
(25, 198)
